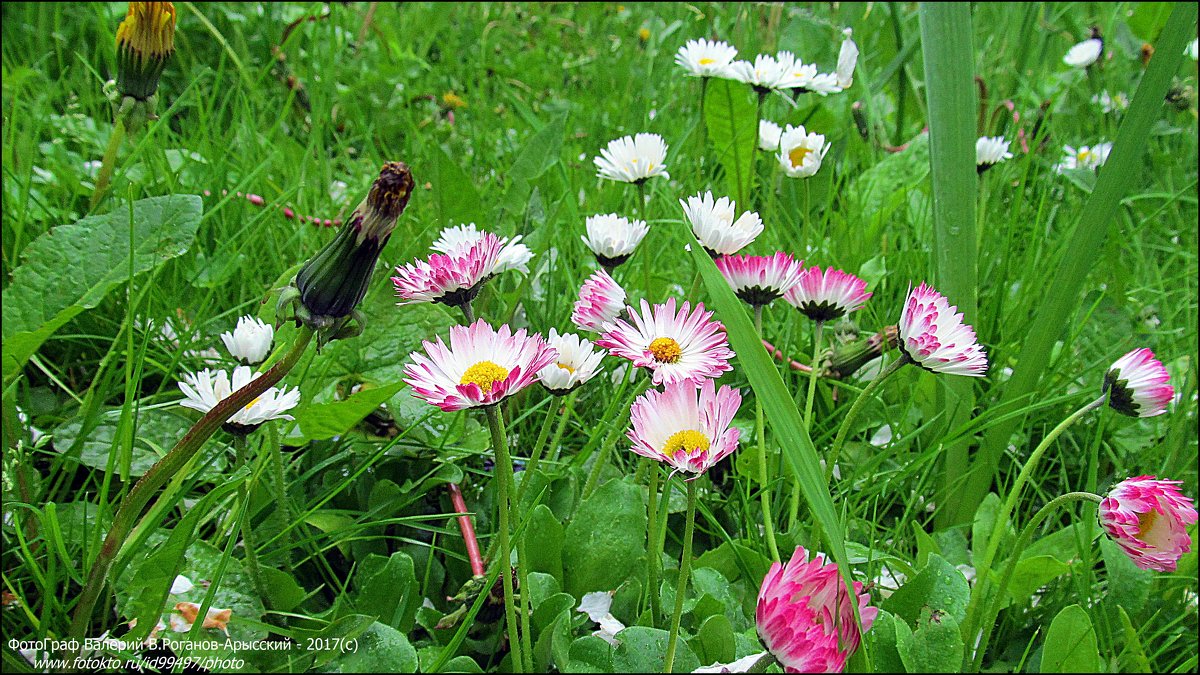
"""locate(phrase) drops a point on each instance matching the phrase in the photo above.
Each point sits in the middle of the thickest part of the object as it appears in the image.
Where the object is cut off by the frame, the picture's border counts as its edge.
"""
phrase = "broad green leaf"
(381, 649)
(590, 654)
(883, 187)
(1070, 645)
(157, 432)
(935, 647)
(925, 545)
(544, 541)
(337, 631)
(461, 664)
(320, 421)
(1128, 584)
(938, 587)
(282, 590)
(715, 641)
(730, 113)
(392, 593)
(453, 192)
(1031, 574)
(546, 611)
(72, 267)
(644, 650)
(606, 539)
(882, 642)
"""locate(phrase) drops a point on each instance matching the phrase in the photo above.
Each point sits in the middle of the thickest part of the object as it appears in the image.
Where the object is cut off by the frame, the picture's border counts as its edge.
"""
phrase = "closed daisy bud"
(613, 238)
(759, 280)
(705, 58)
(576, 363)
(601, 300)
(250, 342)
(828, 295)
(801, 152)
(633, 159)
(686, 425)
(768, 135)
(847, 59)
(990, 151)
(933, 335)
(145, 40)
(1085, 53)
(1136, 385)
(207, 388)
(675, 346)
(714, 225)
(1148, 519)
(455, 241)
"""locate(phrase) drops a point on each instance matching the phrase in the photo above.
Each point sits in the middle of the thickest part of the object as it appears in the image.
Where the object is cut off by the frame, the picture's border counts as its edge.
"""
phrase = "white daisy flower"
(250, 341)
(765, 74)
(1085, 53)
(456, 241)
(705, 58)
(613, 238)
(577, 363)
(633, 159)
(768, 135)
(1192, 49)
(1085, 157)
(714, 225)
(803, 77)
(801, 152)
(989, 151)
(847, 59)
(1110, 103)
(205, 389)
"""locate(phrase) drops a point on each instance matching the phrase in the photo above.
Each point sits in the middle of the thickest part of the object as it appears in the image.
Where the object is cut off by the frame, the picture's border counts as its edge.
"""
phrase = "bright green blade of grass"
(950, 98)
(1064, 293)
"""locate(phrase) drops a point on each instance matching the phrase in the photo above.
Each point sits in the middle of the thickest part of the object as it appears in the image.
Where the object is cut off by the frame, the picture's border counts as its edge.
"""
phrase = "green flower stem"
(794, 511)
(240, 445)
(281, 496)
(652, 556)
(1014, 494)
(1014, 558)
(504, 479)
(523, 585)
(646, 260)
(468, 312)
(543, 433)
(555, 442)
(855, 409)
(135, 502)
(109, 161)
(685, 568)
(763, 477)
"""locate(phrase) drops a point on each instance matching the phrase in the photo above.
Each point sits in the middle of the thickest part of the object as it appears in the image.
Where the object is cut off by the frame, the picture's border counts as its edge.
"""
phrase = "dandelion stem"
(109, 161)
(685, 568)
(763, 477)
(855, 409)
(504, 479)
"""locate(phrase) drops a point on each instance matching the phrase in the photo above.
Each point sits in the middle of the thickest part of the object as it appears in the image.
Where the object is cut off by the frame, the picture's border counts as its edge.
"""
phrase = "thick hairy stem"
(109, 162)
(504, 478)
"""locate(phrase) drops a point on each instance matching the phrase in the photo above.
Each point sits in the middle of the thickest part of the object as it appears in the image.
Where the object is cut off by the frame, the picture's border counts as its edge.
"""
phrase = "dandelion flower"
(714, 225)
(801, 152)
(452, 280)
(205, 389)
(456, 241)
(145, 41)
(1136, 385)
(633, 159)
(577, 362)
(1085, 53)
(828, 295)
(675, 346)
(1148, 519)
(768, 135)
(613, 238)
(250, 341)
(686, 425)
(990, 151)
(759, 280)
(933, 335)
(601, 300)
(705, 58)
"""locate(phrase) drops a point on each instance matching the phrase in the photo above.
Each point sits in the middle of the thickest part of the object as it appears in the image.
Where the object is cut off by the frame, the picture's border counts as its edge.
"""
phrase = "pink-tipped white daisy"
(757, 279)
(481, 366)
(601, 300)
(847, 59)
(675, 346)
(1084, 53)
(828, 295)
(801, 152)
(205, 389)
(805, 617)
(633, 159)
(1136, 385)
(686, 425)
(576, 363)
(250, 341)
(453, 279)
(768, 135)
(1148, 519)
(933, 335)
(613, 238)
(1085, 157)
(990, 151)
(457, 240)
(705, 58)
(714, 225)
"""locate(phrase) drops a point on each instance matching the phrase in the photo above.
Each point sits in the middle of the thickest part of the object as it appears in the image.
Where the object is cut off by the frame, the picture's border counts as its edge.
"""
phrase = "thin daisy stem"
(543, 434)
(135, 502)
(859, 403)
(812, 376)
(109, 161)
(762, 97)
(240, 445)
(568, 408)
(685, 569)
(703, 120)
(1015, 557)
(503, 481)
(646, 262)
(652, 540)
(763, 477)
(1014, 494)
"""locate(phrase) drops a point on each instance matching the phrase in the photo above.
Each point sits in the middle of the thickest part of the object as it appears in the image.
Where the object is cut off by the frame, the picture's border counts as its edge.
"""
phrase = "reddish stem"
(468, 530)
(778, 354)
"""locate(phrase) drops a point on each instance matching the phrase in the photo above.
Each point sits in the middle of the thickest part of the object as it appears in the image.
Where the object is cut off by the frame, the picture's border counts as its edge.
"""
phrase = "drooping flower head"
(633, 159)
(457, 240)
(205, 389)
(686, 425)
(705, 58)
(452, 280)
(601, 300)
(1148, 519)
(250, 341)
(1085, 157)
(805, 617)
(481, 366)
(1136, 385)
(801, 152)
(675, 346)
(828, 295)
(990, 151)
(768, 135)
(1084, 53)
(847, 59)
(145, 40)
(714, 225)
(577, 362)
(933, 335)
(613, 238)
(759, 280)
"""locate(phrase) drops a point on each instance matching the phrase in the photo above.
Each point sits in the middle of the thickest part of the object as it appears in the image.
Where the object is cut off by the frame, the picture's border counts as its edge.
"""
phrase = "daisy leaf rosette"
(686, 425)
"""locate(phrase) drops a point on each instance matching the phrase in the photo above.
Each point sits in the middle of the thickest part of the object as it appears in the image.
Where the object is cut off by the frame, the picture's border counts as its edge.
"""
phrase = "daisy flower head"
(633, 159)
(1136, 385)
(803, 77)
(828, 295)
(1085, 157)
(933, 335)
(576, 363)
(759, 280)
(686, 425)
(613, 238)
(768, 135)
(805, 617)
(990, 151)
(1148, 519)
(250, 341)
(480, 367)
(1110, 103)
(205, 389)
(600, 302)
(847, 59)
(766, 73)
(451, 279)
(705, 58)
(675, 345)
(1084, 53)
(714, 225)
(801, 152)
(458, 240)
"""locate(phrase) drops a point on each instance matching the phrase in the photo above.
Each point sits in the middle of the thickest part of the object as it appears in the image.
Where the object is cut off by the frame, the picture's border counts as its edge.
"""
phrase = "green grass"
(363, 536)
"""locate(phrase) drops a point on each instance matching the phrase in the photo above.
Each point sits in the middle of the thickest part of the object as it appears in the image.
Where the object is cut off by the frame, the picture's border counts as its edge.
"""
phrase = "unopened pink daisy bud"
(601, 300)
(675, 346)
(1148, 519)
(805, 617)
(759, 280)
(933, 335)
(686, 425)
(1136, 385)
(828, 295)
(481, 367)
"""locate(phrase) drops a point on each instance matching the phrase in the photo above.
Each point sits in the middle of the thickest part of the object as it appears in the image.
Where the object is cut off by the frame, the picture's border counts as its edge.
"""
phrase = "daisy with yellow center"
(480, 367)
(801, 152)
(686, 425)
(675, 346)
(205, 389)
(633, 159)
(1149, 518)
(577, 363)
(705, 58)
(1084, 157)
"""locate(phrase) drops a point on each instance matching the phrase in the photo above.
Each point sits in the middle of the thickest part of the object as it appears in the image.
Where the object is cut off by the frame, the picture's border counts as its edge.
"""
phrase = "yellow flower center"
(665, 350)
(797, 155)
(686, 442)
(1146, 523)
(565, 367)
(707, 61)
(644, 34)
(484, 374)
(1083, 156)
